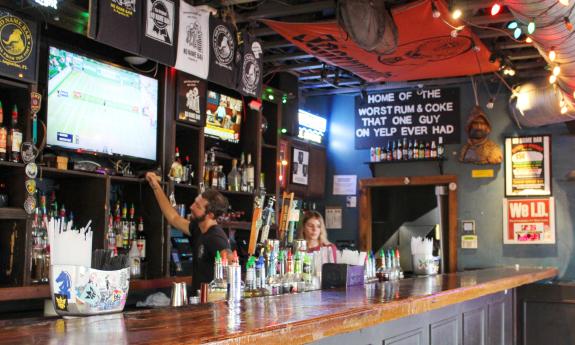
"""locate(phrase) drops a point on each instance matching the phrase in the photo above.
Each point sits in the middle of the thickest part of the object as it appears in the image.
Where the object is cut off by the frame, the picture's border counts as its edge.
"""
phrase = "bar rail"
(290, 319)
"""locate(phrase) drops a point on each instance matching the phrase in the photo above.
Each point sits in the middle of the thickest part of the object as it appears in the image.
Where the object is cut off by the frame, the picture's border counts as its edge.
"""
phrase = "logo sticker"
(60, 302)
(251, 73)
(224, 45)
(15, 40)
(159, 20)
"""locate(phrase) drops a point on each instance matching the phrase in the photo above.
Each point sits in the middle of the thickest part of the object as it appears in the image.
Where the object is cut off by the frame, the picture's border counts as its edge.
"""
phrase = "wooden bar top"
(288, 319)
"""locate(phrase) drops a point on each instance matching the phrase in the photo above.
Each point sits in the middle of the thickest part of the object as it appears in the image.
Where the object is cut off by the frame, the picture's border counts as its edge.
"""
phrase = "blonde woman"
(313, 231)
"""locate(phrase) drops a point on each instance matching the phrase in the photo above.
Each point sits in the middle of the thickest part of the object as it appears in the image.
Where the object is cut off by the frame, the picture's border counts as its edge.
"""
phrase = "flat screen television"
(96, 107)
(223, 117)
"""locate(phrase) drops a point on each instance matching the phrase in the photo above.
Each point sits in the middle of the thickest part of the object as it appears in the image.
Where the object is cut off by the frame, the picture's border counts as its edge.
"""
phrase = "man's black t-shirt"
(205, 247)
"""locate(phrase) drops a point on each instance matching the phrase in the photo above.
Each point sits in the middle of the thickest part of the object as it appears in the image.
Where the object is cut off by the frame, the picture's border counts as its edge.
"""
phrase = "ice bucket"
(79, 290)
(425, 264)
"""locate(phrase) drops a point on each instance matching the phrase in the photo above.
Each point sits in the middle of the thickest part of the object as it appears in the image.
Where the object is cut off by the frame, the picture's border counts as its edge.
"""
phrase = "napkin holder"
(341, 275)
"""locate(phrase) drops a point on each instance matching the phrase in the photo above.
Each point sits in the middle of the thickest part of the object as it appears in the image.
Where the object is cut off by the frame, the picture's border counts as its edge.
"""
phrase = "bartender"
(206, 236)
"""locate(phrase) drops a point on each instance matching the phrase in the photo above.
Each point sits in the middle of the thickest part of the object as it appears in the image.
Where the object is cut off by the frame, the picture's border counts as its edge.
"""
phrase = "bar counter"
(289, 319)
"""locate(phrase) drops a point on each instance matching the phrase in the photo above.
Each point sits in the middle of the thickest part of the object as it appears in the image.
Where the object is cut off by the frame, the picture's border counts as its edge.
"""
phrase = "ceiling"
(314, 77)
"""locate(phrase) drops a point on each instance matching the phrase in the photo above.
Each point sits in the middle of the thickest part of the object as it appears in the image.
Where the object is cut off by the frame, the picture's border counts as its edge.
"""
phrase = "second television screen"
(224, 117)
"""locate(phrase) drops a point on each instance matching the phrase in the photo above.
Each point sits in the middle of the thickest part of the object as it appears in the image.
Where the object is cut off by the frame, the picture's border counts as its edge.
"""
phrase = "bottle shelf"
(185, 124)
(241, 225)
(54, 172)
(439, 161)
(229, 192)
(128, 179)
(12, 213)
(269, 146)
(11, 164)
(185, 185)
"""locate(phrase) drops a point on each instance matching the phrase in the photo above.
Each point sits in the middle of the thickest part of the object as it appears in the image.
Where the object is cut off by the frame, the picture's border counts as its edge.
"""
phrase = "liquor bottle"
(250, 174)
(393, 151)
(125, 228)
(132, 224)
(234, 178)
(440, 149)
(388, 153)
(15, 137)
(433, 152)
(110, 235)
(221, 178)
(399, 154)
(135, 263)
(268, 217)
(118, 231)
(190, 170)
(427, 150)
(398, 264)
(185, 170)
(206, 174)
(244, 172)
(404, 153)
(141, 239)
(3, 136)
(421, 150)
(214, 176)
(415, 150)
(410, 150)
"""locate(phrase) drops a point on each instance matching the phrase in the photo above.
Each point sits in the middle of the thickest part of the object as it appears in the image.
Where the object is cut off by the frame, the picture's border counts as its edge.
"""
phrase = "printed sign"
(191, 99)
(18, 47)
(193, 36)
(250, 67)
(528, 166)
(223, 53)
(422, 115)
(529, 221)
(300, 166)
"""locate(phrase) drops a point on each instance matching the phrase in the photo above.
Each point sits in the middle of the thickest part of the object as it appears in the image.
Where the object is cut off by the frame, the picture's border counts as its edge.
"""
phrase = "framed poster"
(333, 216)
(529, 221)
(191, 101)
(300, 166)
(528, 166)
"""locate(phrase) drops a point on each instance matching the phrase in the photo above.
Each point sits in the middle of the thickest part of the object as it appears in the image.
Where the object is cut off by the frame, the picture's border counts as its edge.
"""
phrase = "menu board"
(528, 165)
(414, 114)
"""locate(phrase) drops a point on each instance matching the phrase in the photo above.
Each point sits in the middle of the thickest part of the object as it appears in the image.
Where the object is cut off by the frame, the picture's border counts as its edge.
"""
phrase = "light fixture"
(531, 27)
(283, 130)
(135, 60)
(552, 54)
(517, 33)
(564, 2)
(567, 23)
(495, 9)
(552, 79)
(528, 40)
(564, 109)
(434, 10)
(556, 70)
(490, 104)
(456, 14)
(454, 33)
(512, 25)
(271, 97)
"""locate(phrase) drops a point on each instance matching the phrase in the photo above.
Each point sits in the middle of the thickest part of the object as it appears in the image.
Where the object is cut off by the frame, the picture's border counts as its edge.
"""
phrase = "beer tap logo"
(15, 40)
(159, 23)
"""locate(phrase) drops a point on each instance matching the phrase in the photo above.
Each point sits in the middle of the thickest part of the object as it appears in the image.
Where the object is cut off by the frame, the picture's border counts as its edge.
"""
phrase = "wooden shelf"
(53, 172)
(185, 124)
(269, 146)
(43, 290)
(12, 213)
(438, 160)
(127, 179)
(229, 192)
(11, 164)
(185, 185)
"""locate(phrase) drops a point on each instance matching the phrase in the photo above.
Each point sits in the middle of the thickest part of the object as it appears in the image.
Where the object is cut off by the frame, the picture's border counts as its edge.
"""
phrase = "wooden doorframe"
(365, 216)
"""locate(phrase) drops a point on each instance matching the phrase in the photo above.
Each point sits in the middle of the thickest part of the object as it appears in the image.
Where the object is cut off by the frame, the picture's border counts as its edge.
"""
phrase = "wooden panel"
(365, 219)
(317, 167)
(474, 327)
(444, 332)
(496, 323)
(411, 338)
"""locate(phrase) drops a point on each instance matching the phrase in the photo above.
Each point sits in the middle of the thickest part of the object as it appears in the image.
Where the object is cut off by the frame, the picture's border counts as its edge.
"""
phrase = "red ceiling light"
(495, 9)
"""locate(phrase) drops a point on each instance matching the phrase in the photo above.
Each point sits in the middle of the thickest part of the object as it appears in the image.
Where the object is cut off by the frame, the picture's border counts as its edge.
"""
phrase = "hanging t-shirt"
(250, 67)
(223, 53)
(119, 24)
(19, 48)
(193, 41)
(159, 30)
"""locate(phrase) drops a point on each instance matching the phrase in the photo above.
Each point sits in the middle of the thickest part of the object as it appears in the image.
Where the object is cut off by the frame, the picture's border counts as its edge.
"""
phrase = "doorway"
(392, 209)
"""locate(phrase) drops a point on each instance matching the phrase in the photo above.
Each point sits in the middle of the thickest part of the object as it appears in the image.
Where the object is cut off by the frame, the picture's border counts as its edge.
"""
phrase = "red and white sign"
(529, 221)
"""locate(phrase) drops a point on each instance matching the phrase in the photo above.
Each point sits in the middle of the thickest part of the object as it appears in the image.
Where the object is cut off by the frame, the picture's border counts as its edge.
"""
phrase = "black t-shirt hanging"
(19, 47)
(160, 21)
(119, 24)
(250, 66)
(222, 53)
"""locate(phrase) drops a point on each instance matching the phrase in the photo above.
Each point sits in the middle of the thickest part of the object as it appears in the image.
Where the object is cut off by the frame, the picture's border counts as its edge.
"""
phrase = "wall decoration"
(423, 115)
(191, 105)
(19, 48)
(223, 48)
(159, 30)
(250, 66)
(528, 166)
(529, 221)
(193, 54)
(300, 166)
(479, 149)
(119, 23)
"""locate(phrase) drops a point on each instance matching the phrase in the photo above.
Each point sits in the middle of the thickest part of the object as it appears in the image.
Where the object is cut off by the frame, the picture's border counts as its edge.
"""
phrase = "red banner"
(425, 49)
(529, 221)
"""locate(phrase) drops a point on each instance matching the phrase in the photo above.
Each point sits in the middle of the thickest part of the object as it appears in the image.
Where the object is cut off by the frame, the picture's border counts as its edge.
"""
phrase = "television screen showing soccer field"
(99, 108)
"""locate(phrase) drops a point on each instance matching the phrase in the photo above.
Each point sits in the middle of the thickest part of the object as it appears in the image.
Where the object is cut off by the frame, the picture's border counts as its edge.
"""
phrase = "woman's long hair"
(323, 241)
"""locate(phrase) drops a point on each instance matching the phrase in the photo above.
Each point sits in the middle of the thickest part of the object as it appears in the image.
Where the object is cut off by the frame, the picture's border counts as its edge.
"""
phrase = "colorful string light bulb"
(495, 9)
(564, 2)
(567, 23)
(531, 27)
(456, 14)
(552, 54)
(556, 70)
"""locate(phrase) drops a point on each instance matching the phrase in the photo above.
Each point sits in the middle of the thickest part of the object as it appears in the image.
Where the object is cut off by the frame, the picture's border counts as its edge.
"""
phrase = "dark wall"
(479, 199)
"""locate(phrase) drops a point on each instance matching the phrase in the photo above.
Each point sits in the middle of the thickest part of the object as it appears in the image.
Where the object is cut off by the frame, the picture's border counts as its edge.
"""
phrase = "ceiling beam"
(330, 82)
(474, 5)
(299, 67)
(277, 44)
(489, 19)
(527, 55)
(264, 31)
(529, 65)
(512, 45)
(287, 57)
(275, 12)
